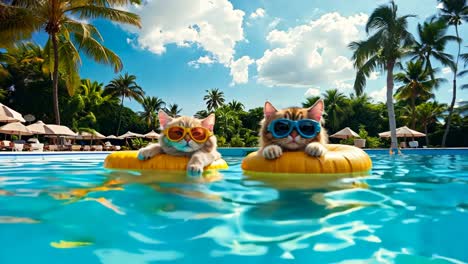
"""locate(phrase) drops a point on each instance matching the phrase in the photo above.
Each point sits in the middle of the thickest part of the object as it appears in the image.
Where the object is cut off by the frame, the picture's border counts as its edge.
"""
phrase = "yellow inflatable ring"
(129, 160)
(340, 159)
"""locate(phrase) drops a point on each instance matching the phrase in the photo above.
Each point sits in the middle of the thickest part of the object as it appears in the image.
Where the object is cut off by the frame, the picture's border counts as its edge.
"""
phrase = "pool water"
(410, 209)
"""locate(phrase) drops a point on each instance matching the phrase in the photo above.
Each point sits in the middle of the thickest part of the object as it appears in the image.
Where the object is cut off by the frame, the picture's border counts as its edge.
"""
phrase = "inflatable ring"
(340, 159)
(128, 160)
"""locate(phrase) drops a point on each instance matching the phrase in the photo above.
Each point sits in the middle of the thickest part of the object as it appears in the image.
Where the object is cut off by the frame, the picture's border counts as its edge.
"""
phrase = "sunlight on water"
(410, 209)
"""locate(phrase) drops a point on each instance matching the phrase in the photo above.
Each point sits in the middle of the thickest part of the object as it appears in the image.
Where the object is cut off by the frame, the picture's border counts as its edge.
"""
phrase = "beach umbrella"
(9, 115)
(130, 134)
(15, 128)
(112, 137)
(152, 135)
(40, 128)
(49, 129)
(90, 135)
(345, 133)
(403, 132)
(61, 130)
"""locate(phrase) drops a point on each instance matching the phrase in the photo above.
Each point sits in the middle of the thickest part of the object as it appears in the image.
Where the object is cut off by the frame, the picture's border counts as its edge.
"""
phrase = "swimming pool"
(414, 210)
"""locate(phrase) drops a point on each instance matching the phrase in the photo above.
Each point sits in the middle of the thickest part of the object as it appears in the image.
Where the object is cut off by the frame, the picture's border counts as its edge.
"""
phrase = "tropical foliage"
(28, 75)
(382, 51)
(124, 86)
(69, 34)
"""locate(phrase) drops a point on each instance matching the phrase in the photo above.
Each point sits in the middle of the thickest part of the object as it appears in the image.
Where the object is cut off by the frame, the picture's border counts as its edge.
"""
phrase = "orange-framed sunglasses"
(177, 133)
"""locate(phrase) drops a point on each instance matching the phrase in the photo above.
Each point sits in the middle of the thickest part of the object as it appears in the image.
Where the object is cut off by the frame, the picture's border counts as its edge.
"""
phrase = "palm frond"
(17, 23)
(99, 53)
(93, 12)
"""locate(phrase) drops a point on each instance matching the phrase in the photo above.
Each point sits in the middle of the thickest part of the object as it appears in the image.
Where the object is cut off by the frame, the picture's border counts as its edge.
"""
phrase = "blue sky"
(253, 51)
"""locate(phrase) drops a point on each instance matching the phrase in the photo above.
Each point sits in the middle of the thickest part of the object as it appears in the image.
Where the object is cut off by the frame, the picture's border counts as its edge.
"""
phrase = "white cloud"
(212, 25)
(315, 53)
(312, 92)
(379, 95)
(201, 60)
(259, 13)
(374, 75)
(440, 6)
(274, 23)
(446, 70)
(240, 70)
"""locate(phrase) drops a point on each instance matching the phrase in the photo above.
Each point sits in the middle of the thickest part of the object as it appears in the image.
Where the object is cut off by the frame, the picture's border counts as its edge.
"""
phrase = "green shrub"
(236, 141)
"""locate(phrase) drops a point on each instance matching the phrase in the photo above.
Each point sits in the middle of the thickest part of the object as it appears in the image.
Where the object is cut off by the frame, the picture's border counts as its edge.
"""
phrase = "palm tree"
(173, 110)
(453, 12)
(417, 84)
(433, 40)
(201, 114)
(236, 106)
(214, 99)
(428, 113)
(310, 101)
(124, 86)
(335, 107)
(69, 34)
(382, 51)
(151, 106)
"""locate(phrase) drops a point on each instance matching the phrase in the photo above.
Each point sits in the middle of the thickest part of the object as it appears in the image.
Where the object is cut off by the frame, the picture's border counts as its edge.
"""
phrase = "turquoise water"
(413, 210)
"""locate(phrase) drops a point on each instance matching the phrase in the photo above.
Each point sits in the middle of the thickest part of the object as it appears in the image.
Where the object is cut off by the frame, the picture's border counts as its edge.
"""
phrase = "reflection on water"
(410, 209)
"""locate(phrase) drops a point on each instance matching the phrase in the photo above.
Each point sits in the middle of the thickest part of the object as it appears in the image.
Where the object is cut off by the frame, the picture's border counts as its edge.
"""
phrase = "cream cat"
(185, 136)
(293, 129)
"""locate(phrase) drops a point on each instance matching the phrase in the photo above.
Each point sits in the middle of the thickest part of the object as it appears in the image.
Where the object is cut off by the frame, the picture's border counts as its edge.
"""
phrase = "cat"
(201, 154)
(272, 147)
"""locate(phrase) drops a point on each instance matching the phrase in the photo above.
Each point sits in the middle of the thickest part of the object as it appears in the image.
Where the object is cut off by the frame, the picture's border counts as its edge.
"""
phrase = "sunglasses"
(281, 128)
(177, 133)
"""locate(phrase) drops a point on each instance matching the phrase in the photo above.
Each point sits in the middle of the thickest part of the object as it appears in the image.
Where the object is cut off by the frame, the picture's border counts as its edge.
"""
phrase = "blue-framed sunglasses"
(281, 128)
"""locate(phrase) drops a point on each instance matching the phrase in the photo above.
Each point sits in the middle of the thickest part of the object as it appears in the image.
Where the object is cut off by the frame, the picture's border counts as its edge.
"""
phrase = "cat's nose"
(187, 138)
(294, 134)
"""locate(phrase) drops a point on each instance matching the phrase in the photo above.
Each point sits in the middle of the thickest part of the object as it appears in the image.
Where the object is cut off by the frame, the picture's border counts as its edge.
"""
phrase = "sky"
(252, 50)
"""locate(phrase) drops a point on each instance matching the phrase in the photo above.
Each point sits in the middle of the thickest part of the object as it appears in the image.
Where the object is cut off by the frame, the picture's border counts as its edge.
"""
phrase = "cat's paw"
(315, 149)
(148, 152)
(194, 169)
(272, 152)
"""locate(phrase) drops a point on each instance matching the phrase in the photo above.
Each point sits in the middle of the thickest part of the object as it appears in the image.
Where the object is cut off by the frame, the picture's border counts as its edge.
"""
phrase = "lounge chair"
(76, 147)
(17, 147)
(5, 145)
(97, 147)
(86, 148)
(413, 144)
(37, 147)
(53, 148)
(403, 144)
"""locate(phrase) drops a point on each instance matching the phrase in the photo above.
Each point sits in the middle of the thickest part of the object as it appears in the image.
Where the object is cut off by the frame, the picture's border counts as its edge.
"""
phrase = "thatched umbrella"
(403, 132)
(15, 128)
(345, 133)
(9, 115)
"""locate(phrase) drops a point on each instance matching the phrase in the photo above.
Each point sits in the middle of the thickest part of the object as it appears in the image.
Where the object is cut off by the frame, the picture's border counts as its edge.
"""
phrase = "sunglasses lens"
(198, 133)
(175, 133)
(307, 128)
(281, 128)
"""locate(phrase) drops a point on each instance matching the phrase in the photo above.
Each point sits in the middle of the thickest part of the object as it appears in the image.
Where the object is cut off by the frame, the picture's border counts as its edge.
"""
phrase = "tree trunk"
(425, 132)
(390, 108)
(413, 112)
(120, 116)
(454, 97)
(55, 79)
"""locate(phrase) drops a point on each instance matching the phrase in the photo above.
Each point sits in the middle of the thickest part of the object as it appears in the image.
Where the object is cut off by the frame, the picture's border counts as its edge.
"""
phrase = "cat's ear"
(209, 122)
(269, 109)
(163, 118)
(316, 111)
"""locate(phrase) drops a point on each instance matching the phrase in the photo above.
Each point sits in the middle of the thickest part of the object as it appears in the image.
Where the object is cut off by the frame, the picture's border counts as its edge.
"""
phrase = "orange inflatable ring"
(339, 159)
(128, 160)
